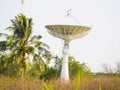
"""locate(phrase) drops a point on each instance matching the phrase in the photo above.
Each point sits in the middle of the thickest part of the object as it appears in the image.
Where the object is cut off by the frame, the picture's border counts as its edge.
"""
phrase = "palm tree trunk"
(23, 65)
(65, 70)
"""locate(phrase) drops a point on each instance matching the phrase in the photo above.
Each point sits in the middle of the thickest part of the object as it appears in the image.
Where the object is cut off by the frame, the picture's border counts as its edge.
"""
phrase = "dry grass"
(87, 83)
(101, 83)
(7, 83)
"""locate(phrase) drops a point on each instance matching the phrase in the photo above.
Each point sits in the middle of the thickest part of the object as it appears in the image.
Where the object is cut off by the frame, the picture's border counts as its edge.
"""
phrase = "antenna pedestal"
(65, 70)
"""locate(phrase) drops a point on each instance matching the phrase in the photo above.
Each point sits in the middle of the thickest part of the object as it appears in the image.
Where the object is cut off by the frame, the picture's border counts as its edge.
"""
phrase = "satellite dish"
(67, 33)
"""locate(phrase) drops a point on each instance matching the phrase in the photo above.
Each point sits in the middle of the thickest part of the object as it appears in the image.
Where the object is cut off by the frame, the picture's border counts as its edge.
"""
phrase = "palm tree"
(23, 47)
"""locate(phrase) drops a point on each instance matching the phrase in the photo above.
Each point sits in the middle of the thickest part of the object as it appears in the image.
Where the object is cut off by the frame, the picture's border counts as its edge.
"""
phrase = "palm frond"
(44, 45)
(3, 34)
(35, 38)
(30, 50)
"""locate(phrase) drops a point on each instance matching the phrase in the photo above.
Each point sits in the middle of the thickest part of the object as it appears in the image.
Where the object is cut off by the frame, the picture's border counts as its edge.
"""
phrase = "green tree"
(76, 67)
(23, 47)
(3, 54)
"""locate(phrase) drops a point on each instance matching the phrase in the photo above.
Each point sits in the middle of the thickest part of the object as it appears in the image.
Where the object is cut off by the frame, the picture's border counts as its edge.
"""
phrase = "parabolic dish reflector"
(68, 32)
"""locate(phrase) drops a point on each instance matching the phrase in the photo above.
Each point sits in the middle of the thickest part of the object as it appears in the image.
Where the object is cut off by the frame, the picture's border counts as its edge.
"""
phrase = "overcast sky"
(101, 45)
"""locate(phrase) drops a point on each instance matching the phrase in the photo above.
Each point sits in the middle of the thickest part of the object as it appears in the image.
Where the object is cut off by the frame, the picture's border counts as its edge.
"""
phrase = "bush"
(50, 73)
(75, 67)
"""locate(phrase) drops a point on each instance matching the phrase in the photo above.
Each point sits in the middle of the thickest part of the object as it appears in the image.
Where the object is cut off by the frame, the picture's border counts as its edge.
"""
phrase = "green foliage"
(75, 68)
(50, 73)
(2, 45)
(48, 86)
(21, 48)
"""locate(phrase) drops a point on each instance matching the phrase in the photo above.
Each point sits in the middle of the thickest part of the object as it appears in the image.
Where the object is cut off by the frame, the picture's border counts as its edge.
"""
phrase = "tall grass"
(85, 83)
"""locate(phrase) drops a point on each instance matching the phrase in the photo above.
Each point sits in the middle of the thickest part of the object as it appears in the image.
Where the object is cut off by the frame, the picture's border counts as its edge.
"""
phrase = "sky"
(100, 46)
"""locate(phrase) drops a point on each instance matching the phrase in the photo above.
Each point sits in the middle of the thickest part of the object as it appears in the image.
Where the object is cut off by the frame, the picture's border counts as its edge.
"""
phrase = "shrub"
(75, 67)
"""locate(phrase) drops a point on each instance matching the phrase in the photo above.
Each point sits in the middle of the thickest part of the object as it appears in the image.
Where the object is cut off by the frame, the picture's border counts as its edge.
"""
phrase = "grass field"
(87, 83)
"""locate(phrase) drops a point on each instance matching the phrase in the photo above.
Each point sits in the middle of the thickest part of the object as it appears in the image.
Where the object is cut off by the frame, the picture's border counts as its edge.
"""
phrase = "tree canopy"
(21, 49)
